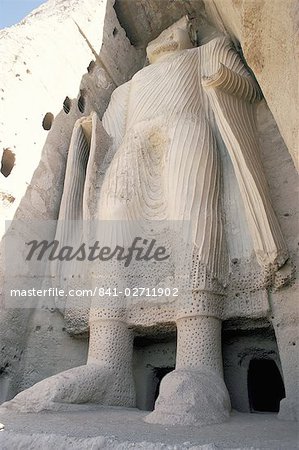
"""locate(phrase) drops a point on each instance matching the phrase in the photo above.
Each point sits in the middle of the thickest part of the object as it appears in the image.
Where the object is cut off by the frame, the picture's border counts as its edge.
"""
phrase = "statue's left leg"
(105, 379)
(194, 393)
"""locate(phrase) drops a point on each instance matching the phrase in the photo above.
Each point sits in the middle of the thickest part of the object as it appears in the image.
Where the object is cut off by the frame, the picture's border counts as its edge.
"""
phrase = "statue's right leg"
(106, 378)
(194, 393)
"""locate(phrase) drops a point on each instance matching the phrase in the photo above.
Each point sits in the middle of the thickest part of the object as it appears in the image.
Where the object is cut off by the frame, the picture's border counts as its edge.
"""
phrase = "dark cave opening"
(265, 386)
(7, 162)
(48, 121)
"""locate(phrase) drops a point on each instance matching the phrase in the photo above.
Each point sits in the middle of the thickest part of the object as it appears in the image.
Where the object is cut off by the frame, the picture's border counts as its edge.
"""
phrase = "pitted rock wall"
(34, 343)
(43, 59)
(268, 33)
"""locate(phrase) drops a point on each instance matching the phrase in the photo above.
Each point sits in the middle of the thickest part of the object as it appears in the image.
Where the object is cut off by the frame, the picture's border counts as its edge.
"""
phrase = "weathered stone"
(268, 34)
(250, 210)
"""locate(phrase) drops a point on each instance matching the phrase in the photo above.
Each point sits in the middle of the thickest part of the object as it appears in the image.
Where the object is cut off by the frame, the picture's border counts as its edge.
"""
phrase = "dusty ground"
(94, 427)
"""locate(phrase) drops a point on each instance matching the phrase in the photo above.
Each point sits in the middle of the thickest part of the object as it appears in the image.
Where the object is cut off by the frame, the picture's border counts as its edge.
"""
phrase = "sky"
(12, 11)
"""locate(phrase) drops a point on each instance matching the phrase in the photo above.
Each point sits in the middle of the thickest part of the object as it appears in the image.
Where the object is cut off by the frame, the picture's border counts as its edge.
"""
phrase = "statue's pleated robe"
(167, 129)
(167, 163)
(167, 166)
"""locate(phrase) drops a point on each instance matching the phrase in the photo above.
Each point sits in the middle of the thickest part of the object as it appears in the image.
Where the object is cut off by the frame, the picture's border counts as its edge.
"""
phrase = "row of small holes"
(67, 104)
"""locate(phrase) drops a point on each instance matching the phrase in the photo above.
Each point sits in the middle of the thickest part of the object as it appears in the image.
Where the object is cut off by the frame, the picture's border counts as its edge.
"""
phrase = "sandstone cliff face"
(42, 61)
(29, 336)
(268, 33)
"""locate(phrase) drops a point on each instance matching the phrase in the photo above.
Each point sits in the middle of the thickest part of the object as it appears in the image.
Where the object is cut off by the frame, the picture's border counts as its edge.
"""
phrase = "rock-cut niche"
(265, 386)
(7, 162)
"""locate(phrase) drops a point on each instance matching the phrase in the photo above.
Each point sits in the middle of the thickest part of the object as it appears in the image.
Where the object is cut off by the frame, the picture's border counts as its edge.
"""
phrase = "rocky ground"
(94, 427)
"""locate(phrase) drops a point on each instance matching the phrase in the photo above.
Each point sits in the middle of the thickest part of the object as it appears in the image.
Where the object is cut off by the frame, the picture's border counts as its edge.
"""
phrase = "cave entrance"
(265, 386)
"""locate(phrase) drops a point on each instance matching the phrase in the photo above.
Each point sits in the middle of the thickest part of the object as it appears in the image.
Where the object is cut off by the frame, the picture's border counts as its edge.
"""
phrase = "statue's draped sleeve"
(233, 94)
(106, 138)
(93, 145)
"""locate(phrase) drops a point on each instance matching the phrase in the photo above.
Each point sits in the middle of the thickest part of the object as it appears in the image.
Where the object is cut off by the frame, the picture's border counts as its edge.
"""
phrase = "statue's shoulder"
(122, 90)
(217, 43)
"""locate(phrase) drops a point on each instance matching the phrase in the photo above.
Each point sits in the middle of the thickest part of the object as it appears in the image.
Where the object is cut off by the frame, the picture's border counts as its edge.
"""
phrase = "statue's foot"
(91, 383)
(191, 397)
(288, 409)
